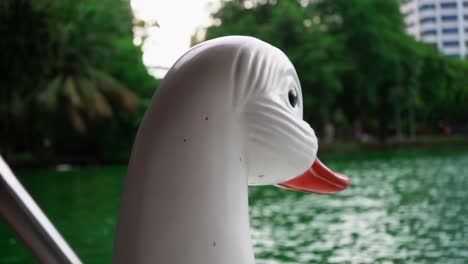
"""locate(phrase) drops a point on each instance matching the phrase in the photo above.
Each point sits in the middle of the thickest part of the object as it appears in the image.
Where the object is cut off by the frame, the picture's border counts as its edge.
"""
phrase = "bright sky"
(178, 20)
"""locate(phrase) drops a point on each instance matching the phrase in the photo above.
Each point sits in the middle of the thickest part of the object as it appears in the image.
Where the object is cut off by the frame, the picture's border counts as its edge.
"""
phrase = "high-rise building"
(442, 23)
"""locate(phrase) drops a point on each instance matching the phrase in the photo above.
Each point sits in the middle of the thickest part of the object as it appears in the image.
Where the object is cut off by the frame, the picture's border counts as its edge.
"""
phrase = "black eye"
(292, 96)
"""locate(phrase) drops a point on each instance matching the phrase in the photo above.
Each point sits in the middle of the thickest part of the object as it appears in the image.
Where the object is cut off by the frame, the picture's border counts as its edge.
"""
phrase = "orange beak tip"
(318, 179)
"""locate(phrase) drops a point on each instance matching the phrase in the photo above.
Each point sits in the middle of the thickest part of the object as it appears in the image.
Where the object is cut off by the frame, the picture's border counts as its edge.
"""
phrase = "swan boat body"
(227, 115)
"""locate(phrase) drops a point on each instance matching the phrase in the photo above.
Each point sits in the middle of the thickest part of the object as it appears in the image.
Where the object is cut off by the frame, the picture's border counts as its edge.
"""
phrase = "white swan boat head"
(227, 115)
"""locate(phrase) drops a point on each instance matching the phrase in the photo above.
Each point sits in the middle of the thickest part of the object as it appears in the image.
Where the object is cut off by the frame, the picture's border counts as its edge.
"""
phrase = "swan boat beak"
(318, 179)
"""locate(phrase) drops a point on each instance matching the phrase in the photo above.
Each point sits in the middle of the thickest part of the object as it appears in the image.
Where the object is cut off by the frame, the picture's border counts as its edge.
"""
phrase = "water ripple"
(397, 210)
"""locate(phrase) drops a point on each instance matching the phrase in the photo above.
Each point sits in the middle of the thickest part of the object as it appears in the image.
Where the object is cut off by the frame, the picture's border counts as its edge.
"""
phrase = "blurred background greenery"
(74, 88)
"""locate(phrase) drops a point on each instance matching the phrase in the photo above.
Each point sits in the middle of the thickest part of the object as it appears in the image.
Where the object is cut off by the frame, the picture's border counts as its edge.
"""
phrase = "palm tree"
(78, 82)
(73, 59)
(86, 96)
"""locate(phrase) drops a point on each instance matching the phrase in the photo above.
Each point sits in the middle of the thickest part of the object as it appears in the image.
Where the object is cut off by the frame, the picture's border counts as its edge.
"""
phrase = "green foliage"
(70, 64)
(356, 64)
(371, 41)
(292, 28)
(130, 68)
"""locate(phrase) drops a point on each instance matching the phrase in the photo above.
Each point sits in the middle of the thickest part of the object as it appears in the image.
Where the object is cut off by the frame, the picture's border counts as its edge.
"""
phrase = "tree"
(293, 28)
(355, 62)
(26, 57)
(370, 31)
(78, 59)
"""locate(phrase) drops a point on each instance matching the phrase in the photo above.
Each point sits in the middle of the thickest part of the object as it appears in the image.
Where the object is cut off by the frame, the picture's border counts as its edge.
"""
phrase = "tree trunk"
(412, 123)
(329, 133)
(399, 131)
(384, 112)
(383, 130)
(357, 128)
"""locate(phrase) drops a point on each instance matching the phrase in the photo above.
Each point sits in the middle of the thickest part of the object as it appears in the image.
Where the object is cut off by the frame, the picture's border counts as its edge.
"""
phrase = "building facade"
(441, 23)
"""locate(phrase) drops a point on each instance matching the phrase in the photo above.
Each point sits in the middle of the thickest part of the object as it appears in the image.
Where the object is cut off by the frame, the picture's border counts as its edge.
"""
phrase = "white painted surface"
(416, 28)
(220, 120)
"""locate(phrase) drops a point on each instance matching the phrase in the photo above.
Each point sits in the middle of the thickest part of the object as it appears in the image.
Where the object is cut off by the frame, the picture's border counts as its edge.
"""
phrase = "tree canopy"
(358, 68)
(68, 66)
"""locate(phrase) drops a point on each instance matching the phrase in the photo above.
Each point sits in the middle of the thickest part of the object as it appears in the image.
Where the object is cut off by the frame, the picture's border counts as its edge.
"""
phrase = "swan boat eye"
(292, 96)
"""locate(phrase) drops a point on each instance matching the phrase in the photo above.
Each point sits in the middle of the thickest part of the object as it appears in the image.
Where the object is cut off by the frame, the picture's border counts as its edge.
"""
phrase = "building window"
(465, 17)
(451, 43)
(450, 30)
(429, 32)
(426, 7)
(449, 18)
(427, 20)
(449, 5)
(465, 4)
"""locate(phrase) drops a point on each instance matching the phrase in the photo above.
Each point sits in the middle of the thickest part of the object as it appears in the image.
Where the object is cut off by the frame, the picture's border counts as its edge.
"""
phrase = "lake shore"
(335, 149)
(419, 142)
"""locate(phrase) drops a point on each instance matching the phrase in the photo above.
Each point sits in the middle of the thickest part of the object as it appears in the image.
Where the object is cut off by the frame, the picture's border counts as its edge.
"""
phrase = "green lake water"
(402, 207)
